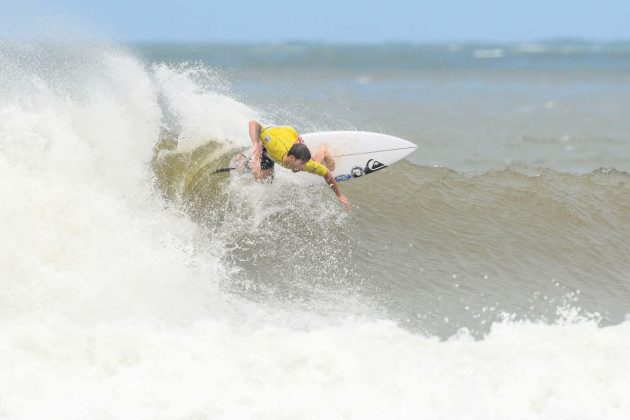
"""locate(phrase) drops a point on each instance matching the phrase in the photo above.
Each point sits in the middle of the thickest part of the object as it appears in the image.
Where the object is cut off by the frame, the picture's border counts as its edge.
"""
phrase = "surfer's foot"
(324, 157)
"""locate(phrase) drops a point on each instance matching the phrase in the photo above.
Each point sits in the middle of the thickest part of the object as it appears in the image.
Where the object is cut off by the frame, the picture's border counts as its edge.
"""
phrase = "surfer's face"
(296, 165)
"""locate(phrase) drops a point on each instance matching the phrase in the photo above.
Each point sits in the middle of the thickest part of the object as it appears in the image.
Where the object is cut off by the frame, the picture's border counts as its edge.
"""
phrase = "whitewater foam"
(200, 113)
(86, 236)
(352, 370)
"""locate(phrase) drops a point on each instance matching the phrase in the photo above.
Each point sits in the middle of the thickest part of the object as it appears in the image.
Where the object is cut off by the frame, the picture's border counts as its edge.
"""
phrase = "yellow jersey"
(278, 140)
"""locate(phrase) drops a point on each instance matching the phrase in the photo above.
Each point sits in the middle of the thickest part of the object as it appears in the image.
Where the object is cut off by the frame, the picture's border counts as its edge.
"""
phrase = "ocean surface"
(487, 276)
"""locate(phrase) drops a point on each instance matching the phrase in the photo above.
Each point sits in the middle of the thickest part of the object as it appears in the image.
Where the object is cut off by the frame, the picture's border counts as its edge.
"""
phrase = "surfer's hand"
(344, 200)
(300, 140)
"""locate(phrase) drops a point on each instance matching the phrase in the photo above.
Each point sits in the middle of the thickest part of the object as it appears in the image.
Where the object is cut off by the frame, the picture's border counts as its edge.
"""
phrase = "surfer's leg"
(324, 157)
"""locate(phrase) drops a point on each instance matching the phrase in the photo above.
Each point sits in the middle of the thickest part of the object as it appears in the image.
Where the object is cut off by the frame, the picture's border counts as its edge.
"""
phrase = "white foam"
(354, 370)
(83, 236)
(488, 53)
(203, 114)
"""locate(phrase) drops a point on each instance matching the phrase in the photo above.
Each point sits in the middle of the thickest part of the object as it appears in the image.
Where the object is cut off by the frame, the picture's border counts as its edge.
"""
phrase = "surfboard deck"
(357, 154)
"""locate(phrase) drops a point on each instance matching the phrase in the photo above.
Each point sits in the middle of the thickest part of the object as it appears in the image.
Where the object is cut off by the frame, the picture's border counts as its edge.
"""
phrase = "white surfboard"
(357, 154)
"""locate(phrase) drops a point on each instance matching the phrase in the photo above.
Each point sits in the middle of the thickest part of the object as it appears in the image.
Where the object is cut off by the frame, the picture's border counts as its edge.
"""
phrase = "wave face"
(135, 283)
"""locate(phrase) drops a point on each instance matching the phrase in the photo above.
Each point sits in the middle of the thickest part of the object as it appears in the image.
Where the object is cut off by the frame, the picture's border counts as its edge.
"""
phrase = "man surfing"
(284, 146)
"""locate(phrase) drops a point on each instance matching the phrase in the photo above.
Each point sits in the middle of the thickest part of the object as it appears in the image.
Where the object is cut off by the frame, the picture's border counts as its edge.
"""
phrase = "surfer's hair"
(300, 151)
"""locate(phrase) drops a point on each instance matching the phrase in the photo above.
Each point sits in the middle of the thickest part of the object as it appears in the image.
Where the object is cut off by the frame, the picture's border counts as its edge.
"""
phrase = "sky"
(318, 20)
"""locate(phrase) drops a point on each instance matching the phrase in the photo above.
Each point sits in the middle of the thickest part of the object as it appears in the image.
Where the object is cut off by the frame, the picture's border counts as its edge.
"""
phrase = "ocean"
(484, 277)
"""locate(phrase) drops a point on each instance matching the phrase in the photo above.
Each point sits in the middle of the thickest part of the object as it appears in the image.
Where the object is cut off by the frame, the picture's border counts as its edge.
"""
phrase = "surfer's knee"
(324, 157)
(321, 152)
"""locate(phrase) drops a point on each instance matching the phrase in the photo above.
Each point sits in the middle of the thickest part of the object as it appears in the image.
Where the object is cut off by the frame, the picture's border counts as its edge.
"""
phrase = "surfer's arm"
(254, 135)
(254, 132)
(255, 163)
(330, 180)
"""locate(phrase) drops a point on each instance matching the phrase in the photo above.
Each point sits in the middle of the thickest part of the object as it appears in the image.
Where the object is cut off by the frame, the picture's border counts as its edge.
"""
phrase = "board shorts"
(265, 161)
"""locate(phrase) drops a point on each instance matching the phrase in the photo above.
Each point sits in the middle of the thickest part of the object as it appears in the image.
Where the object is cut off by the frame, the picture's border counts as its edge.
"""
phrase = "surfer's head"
(297, 156)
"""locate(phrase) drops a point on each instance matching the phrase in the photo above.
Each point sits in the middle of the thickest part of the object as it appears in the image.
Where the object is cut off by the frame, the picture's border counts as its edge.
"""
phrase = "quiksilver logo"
(373, 166)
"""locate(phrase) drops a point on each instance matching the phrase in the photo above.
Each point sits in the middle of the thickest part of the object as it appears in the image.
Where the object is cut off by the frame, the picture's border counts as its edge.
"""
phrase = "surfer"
(284, 145)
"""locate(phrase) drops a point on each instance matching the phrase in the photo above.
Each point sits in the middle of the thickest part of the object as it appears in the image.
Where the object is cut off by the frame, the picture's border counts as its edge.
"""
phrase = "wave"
(134, 283)
(520, 240)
